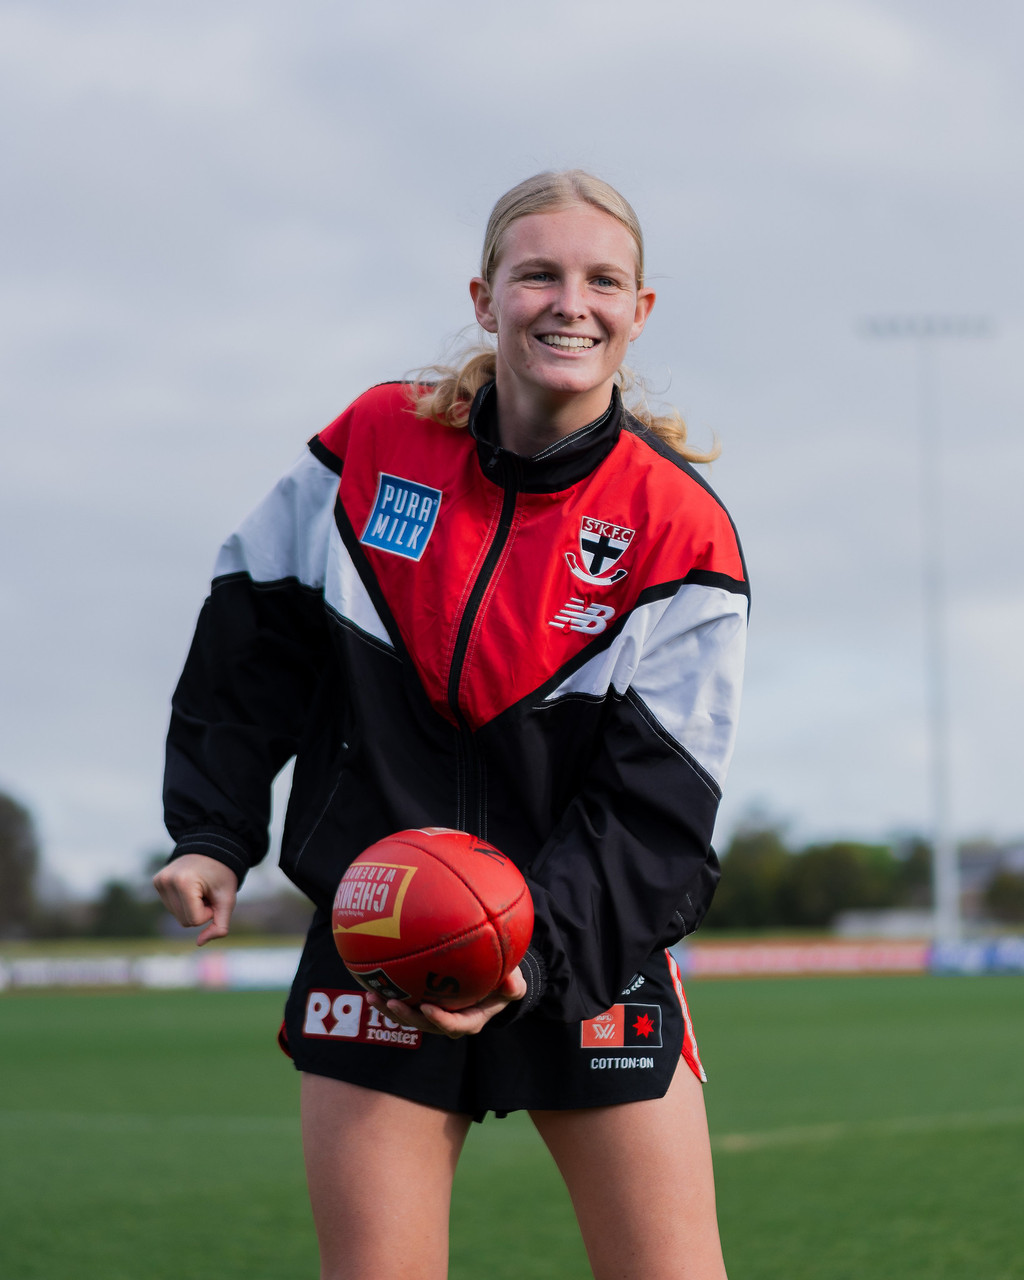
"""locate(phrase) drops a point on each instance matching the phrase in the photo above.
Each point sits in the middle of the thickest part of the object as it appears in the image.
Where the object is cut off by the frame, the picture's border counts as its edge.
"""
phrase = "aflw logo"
(577, 615)
(623, 1025)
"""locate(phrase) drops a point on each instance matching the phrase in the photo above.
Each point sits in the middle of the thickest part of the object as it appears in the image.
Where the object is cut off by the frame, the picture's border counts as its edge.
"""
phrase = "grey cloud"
(227, 220)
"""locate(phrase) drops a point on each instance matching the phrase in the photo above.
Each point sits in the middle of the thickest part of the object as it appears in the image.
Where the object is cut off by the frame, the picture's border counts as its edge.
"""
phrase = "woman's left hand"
(453, 1023)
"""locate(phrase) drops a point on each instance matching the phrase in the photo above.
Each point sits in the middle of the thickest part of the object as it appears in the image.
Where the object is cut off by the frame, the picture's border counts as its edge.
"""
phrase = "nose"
(571, 301)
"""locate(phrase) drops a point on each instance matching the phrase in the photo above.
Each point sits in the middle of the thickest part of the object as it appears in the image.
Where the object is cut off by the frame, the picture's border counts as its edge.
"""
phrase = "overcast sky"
(221, 221)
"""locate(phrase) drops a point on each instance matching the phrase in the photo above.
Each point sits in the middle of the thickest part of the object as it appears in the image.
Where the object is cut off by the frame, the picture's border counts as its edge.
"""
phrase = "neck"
(528, 429)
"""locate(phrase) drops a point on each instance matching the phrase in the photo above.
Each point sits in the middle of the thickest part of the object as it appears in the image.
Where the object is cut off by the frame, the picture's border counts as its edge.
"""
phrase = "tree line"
(121, 908)
(766, 884)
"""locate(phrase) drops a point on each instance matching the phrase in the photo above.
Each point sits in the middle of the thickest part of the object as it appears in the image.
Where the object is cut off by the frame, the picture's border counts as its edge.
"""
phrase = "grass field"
(862, 1127)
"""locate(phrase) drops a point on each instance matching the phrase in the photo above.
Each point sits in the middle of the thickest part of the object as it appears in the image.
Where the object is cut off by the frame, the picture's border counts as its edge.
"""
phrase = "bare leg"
(380, 1172)
(641, 1183)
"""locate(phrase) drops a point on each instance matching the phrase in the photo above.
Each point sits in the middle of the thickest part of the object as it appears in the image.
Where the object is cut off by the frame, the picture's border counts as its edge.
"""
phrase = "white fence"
(232, 968)
(272, 968)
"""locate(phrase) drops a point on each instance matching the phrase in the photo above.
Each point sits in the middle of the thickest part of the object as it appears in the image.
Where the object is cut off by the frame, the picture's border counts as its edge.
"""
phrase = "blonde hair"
(545, 192)
(445, 392)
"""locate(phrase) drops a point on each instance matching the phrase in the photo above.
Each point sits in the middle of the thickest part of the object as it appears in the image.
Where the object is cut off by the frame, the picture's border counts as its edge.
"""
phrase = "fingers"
(514, 986)
(407, 1015)
(181, 895)
(221, 909)
(199, 890)
(453, 1023)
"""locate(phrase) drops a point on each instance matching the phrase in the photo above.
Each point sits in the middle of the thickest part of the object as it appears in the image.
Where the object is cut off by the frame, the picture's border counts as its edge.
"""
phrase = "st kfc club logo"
(623, 1026)
(601, 544)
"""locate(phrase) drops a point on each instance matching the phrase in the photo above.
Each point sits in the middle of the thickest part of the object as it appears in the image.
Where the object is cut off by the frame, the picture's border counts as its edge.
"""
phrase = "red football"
(432, 914)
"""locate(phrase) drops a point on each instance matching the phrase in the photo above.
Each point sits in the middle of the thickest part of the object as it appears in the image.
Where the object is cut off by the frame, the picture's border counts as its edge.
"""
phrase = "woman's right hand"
(198, 890)
(453, 1023)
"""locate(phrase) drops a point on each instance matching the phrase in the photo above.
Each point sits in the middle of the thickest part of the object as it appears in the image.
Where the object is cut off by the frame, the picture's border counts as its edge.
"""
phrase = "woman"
(501, 603)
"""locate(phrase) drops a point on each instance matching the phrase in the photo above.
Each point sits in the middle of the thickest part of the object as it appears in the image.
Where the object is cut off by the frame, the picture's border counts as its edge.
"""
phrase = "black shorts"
(626, 1054)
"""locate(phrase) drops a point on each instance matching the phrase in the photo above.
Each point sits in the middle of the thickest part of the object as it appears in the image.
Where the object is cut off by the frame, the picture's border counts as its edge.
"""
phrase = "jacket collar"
(558, 466)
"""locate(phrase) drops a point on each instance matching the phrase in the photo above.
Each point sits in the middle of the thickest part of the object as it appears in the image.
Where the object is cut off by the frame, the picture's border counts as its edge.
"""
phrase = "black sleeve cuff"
(535, 972)
(214, 844)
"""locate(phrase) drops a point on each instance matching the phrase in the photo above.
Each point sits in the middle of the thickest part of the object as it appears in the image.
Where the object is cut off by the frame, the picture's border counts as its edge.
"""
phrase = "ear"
(483, 304)
(644, 303)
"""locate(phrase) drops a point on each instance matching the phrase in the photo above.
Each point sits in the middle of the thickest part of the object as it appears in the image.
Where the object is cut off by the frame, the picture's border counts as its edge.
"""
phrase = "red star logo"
(643, 1025)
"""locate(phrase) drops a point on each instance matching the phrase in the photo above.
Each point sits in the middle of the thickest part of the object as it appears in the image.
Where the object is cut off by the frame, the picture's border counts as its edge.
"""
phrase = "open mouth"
(564, 343)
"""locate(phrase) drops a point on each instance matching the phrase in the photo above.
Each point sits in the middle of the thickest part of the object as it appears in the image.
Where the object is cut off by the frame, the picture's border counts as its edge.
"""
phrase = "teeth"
(557, 340)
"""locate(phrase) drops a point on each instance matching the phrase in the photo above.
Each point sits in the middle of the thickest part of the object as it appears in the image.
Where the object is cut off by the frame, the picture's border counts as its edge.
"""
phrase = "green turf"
(867, 1126)
(149, 1135)
(863, 1127)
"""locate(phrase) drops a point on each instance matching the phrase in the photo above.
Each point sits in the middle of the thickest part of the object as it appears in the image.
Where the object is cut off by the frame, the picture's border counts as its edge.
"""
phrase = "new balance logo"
(577, 615)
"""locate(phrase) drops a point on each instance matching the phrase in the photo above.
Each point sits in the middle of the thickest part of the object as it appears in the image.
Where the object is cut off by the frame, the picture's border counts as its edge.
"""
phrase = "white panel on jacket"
(683, 657)
(293, 534)
(345, 593)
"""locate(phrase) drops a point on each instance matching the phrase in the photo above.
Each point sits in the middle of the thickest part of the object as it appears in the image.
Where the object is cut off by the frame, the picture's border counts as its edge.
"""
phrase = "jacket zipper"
(471, 802)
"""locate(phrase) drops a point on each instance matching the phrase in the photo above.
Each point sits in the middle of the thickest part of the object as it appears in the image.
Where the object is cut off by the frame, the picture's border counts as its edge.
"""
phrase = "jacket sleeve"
(630, 866)
(251, 673)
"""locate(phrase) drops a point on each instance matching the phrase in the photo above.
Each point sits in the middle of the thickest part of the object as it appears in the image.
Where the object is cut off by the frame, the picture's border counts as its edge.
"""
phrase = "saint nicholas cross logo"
(601, 544)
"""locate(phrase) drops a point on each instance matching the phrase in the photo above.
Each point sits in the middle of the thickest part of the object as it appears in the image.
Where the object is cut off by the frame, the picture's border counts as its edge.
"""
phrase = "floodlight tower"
(926, 332)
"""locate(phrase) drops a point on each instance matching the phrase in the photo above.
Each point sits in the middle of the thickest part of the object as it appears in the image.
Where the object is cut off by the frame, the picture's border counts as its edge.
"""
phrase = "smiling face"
(565, 304)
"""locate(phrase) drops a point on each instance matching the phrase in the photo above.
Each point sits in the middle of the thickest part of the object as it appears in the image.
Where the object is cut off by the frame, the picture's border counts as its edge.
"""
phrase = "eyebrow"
(599, 268)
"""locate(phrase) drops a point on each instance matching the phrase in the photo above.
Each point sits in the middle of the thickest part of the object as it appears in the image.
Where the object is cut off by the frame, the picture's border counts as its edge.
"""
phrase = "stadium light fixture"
(926, 331)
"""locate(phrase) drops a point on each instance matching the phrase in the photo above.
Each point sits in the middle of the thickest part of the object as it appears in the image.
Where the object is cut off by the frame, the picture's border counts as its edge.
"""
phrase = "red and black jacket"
(544, 651)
